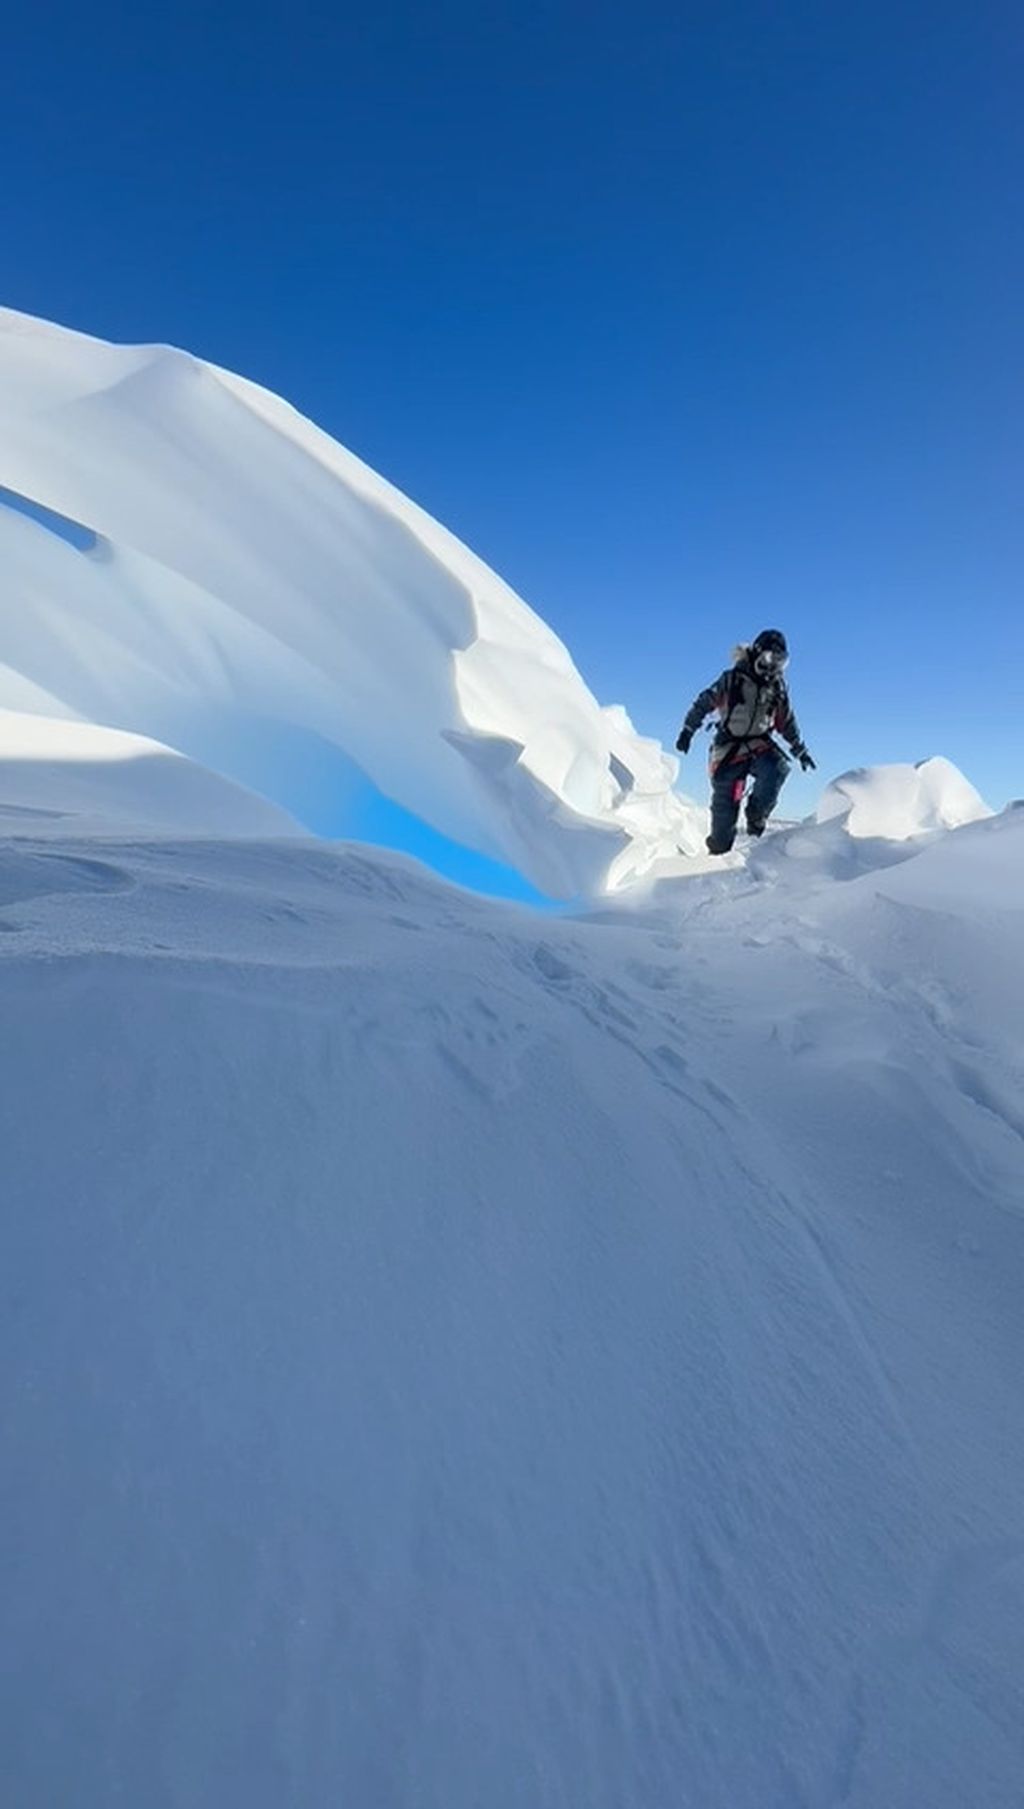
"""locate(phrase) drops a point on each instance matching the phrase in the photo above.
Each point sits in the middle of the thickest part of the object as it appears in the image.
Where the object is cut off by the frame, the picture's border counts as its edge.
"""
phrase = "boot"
(714, 847)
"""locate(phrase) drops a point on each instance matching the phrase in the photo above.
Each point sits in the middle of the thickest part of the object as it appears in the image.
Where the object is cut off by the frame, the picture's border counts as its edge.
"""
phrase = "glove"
(804, 758)
(683, 740)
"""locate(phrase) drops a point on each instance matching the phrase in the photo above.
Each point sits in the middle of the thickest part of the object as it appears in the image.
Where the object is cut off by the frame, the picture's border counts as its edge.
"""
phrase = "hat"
(770, 640)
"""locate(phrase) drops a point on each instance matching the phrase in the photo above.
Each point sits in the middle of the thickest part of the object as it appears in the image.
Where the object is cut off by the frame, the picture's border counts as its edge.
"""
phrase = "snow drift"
(231, 573)
(901, 801)
(454, 1357)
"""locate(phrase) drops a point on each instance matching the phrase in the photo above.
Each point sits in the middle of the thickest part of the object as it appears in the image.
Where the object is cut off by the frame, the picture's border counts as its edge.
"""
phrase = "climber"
(751, 700)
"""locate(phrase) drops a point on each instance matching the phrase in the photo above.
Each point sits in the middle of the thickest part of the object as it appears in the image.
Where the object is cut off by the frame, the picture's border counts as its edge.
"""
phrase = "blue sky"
(691, 319)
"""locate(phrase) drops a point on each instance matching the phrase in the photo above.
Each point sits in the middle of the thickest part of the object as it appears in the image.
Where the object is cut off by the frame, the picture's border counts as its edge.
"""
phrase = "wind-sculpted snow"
(235, 575)
(455, 1356)
(896, 802)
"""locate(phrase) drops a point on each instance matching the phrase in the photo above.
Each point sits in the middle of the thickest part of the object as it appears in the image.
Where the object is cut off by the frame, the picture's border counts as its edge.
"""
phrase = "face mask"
(769, 662)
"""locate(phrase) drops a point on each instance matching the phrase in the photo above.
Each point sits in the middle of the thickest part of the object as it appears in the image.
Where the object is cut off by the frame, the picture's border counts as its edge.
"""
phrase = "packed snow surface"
(455, 1356)
(217, 573)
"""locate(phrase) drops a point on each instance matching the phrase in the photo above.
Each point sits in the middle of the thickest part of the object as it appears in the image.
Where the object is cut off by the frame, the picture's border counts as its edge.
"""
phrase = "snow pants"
(768, 768)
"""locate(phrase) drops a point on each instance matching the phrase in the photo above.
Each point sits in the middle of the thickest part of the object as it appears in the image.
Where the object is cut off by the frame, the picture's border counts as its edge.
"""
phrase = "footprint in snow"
(551, 966)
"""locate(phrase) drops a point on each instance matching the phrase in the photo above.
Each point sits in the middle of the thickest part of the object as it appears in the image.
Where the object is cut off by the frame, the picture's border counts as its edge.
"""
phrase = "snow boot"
(755, 825)
(715, 847)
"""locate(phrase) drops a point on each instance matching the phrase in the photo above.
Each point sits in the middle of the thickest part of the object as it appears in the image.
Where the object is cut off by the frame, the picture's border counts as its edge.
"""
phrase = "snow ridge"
(250, 575)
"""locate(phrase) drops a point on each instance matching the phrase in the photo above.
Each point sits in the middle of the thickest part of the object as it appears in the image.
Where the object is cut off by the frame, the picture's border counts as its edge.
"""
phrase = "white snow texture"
(902, 801)
(58, 774)
(247, 576)
(456, 1356)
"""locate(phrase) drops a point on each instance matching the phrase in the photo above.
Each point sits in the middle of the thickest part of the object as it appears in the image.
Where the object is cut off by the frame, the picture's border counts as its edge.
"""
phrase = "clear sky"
(691, 319)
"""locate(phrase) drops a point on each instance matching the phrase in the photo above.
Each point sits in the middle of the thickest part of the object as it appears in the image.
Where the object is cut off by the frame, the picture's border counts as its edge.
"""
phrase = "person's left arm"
(788, 727)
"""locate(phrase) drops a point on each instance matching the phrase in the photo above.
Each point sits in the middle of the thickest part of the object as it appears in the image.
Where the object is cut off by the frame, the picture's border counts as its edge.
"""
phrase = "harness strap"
(729, 746)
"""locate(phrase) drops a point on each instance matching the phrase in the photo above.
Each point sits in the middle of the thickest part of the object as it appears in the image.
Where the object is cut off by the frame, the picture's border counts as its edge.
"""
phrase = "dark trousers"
(767, 769)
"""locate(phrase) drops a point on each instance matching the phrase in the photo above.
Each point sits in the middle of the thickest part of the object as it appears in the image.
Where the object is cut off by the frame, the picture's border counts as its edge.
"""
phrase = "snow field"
(459, 1356)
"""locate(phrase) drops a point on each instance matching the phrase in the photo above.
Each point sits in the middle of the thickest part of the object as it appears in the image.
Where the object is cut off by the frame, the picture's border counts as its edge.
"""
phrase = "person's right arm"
(701, 707)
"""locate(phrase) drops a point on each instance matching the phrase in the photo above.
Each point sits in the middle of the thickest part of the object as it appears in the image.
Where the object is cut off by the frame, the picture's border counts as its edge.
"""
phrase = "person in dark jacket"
(751, 700)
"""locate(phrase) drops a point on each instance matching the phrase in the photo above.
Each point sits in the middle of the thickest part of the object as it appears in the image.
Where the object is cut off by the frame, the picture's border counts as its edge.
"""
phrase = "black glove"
(683, 740)
(801, 754)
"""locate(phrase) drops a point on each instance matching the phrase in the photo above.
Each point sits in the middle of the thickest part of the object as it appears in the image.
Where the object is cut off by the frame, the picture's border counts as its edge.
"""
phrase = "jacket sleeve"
(706, 704)
(786, 722)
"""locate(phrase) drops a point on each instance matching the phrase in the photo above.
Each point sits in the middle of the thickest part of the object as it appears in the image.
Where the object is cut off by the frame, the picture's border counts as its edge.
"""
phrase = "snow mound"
(218, 572)
(61, 777)
(900, 801)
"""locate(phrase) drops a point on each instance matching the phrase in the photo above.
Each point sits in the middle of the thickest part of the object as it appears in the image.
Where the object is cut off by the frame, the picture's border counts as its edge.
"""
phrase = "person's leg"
(726, 791)
(769, 770)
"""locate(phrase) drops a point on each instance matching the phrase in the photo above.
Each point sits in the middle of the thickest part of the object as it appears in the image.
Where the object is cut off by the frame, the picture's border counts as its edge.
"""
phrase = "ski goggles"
(770, 659)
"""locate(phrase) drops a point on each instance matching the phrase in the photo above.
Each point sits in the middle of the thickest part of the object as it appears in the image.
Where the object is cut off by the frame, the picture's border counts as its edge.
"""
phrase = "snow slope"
(454, 1357)
(244, 583)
